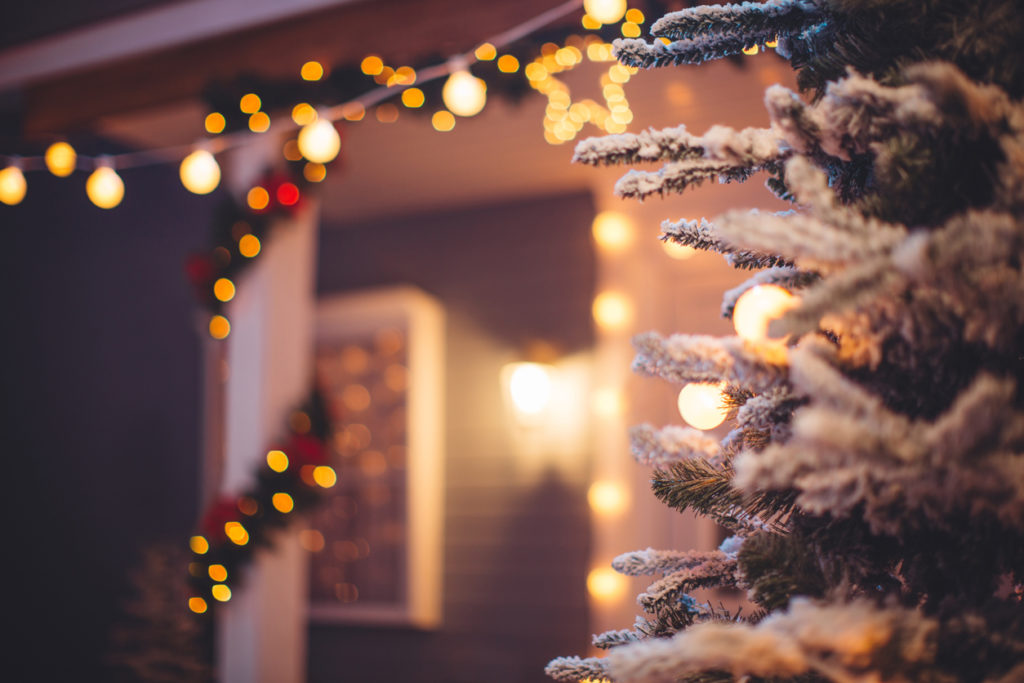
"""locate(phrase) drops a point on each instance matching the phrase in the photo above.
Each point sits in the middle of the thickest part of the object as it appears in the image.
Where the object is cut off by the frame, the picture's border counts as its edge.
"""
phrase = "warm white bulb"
(757, 308)
(613, 231)
(607, 498)
(60, 159)
(530, 388)
(606, 585)
(199, 172)
(464, 94)
(701, 405)
(605, 11)
(613, 311)
(105, 188)
(319, 141)
(12, 185)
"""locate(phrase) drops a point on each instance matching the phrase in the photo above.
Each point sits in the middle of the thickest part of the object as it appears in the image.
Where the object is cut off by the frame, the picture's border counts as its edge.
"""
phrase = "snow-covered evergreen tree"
(874, 478)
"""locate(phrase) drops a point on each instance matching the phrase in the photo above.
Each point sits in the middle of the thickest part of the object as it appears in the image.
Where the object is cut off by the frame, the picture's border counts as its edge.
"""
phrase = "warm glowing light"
(303, 114)
(607, 498)
(752, 50)
(607, 402)
(312, 540)
(605, 11)
(442, 121)
(612, 310)
(772, 43)
(257, 198)
(259, 122)
(249, 246)
(214, 124)
(288, 194)
(353, 111)
(464, 94)
(613, 231)
(224, 289)
(486, 52)
(218, 572)
(291, 150)
(319, 141)
(404, 75)
(219, 327)
(197, 605)
(757, 308)
(529, 386)
(312, 71)
(606, 585)
(507, 64)
(60, 159)
(677, 251)
(282, 502)
(199, 172)
(386, 113)
(630, 30)
(250, 103)
(105, 188)
(314, 172)
(220, 592)
(199, 545)
(634, 15)
(12, 186)
(277, 461)
(372, 65)
(237, 533)
(248, 506)
(325, 476)
(590, 23)
(618, 73)
(413, 98)
(702, 405)
(535, 71)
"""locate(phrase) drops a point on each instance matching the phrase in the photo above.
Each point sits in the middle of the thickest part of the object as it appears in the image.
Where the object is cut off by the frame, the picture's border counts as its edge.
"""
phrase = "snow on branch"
(676, 176)
(753, 146)
(662, 447)
(783, 276)
(610, 639)
(713, 570)
(573, 669)
(649, 562)
(639, 53)
(844, 642)
(776, 16)
(701, 358)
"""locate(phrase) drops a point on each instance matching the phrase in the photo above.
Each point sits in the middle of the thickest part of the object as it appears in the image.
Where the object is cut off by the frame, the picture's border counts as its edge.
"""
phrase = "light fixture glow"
(701, 405)
(12, 186)
(464, 94)
(199, 172)
(605, 11)
(613, 231)
(757, 307)
(60, 159)
(104, 187)
(606, 585)
(613, 311)
(319, 141)
(607, 498)
(529, 386)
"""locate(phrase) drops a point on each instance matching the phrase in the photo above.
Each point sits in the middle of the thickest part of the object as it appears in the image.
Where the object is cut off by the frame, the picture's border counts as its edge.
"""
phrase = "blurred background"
(458, 282)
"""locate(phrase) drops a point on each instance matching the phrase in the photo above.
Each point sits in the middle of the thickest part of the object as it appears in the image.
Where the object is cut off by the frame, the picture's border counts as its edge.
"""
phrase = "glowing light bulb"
(607, 498)
(605, 11)
(319, 141)
(325, 476)
(606, 585)
(12, 186)
(612, 310)
(221, 592)
(277, 461)
(199, 545)
(757, 308)
(529, 385)
(613, 231)
(199, 172)
(60, 159)
(701, 405)
(464, 94)
(282, 502)
(677, 251)
(197, 605)
(104, 187)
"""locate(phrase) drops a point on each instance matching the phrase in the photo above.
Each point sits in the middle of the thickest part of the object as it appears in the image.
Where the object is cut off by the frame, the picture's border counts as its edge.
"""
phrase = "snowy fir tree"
(873, 480)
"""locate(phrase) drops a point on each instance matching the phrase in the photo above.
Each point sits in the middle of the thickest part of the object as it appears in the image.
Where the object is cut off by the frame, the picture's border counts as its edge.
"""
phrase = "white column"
(262, 629)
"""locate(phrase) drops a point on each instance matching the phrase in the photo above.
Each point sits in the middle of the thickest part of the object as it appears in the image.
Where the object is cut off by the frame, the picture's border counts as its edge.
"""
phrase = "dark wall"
(516, 542)
(101, 391)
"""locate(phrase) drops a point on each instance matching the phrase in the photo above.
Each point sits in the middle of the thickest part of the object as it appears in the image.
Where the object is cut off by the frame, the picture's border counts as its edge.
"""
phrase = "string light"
(464, 94)
(325, 476)
(221, 593)
(314, 172)
(277, 460)
(442, 121)
(486, 52)
(507, 64)
(249, 246)
(757, 307)
(60, 159)
(199, 172)
(197, 605)
(312, 71)
(219, 327)
(702, 405)
(218, 572)
(606, 585)
(259, 122)
(282, 502)
(303, 113)
(605, 11)
(372, 65)
(257, 198)
(250, 103)
(680, 252)
(529, 386)
(199, 545)
(12, 185)
(214, 123)
(613, 231)
(224, 289)
(104, 187)
(613, 311)
(607, 498)
(413, 98)
(319, 141)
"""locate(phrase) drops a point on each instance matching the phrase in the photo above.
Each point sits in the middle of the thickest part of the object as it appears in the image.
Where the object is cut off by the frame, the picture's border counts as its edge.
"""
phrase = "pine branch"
(717, 569)
(660, 448)
(573, 669)
(701, 235)
(610, 639)
(750, 146)
(776, 16)
(676, 176)
(649, 562)
(775, 568)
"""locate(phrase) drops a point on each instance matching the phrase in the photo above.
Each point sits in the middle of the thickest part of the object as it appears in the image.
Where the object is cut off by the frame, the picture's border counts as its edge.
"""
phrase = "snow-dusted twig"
(786, 277)
(574, 669)
(662, 447)
(773, 15)
(676, 176)
(754, 146)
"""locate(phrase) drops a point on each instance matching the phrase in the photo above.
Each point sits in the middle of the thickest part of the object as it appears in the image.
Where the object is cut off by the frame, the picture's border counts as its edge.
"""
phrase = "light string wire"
(221, 143)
